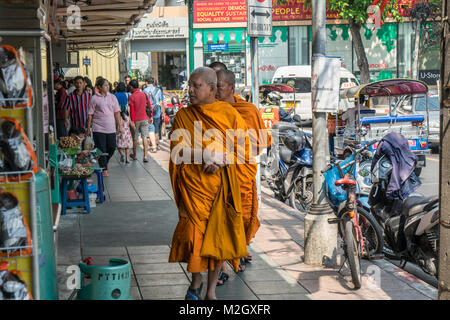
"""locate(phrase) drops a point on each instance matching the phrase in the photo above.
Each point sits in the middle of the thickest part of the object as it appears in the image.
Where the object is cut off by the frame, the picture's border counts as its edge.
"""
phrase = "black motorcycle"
(288, 167)
(411, 226)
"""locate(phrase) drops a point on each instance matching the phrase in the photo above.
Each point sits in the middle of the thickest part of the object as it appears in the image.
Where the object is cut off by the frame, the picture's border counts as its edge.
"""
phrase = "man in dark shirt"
(60, 99)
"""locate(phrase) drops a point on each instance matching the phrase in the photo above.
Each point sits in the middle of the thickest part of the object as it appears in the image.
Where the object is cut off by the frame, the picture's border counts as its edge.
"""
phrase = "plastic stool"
(100, 186)
(74, 203)
(111, 282)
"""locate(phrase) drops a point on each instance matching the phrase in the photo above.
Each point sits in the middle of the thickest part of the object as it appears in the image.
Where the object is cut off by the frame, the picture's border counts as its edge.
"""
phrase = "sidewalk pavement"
(137, 221)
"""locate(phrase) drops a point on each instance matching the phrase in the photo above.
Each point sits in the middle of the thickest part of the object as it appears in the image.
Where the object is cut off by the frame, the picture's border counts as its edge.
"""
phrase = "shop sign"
(429, 76)
(161, 28)
(218, 47)
(220, 11)
(325, 88)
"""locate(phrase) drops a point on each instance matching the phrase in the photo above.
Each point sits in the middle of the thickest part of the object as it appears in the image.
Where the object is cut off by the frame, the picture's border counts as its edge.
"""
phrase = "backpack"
(155, 104)
(148, 108)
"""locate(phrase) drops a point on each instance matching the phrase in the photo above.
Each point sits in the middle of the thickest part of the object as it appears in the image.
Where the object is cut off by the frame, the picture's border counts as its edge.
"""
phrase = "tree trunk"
(363, 64)
(415, 71)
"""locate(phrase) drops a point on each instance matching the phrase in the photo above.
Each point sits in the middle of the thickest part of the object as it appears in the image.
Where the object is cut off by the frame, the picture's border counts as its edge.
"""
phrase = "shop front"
(159, 47)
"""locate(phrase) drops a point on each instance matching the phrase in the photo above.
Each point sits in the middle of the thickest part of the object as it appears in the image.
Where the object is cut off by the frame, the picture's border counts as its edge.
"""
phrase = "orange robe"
(252, 118)
(195, 191)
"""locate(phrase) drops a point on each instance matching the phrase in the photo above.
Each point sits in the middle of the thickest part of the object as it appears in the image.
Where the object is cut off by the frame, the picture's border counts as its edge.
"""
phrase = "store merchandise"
(15, 150)
(12, 286)
(13, 229)
(15, 84)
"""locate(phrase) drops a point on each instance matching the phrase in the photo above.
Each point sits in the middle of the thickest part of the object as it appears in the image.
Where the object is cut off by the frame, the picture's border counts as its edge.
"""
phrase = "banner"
(215, 11)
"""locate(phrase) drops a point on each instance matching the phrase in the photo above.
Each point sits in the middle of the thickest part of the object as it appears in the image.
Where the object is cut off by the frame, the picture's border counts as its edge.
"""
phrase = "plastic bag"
(13, 230)
(15, 84)
(16, 151)
(12, 286)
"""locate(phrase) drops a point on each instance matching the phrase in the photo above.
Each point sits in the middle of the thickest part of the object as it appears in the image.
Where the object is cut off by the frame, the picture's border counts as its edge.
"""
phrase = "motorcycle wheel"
(298, 200)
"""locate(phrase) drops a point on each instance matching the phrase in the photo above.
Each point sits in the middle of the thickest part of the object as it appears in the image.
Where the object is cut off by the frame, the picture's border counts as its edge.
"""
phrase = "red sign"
(216, 11)
(220, 11)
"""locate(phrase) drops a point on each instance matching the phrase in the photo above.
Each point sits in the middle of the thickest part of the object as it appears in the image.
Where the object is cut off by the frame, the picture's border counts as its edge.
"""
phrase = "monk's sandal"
(194, 294)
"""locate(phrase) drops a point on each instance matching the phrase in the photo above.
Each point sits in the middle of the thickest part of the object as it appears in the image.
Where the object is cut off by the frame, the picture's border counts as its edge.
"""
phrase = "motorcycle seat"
(284, 126)
(414, 205)
(345, 181)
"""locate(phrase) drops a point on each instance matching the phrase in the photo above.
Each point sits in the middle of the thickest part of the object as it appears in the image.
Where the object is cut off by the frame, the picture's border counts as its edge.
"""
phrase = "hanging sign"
(325, 83)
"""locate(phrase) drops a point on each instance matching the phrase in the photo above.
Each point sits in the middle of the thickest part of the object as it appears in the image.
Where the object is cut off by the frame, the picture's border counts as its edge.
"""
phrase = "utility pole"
(444, 158)
(320, 236)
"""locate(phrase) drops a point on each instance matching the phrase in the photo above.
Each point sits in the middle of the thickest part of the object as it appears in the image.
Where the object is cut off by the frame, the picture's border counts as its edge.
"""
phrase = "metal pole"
(444, 158)
(320, 236)
(255, 101)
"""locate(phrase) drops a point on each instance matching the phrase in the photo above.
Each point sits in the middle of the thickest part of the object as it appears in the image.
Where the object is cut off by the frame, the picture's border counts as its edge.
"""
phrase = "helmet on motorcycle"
(174, 101)
(274, 97)
(294, 142)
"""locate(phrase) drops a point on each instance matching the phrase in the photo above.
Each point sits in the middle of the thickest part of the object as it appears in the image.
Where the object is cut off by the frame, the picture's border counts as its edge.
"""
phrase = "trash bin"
(111, 282)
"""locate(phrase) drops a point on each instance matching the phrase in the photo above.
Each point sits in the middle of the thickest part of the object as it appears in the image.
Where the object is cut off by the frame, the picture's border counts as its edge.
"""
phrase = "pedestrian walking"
(124, 139)
(60, 99)
(259, 139)
(156, 98)
(104, 121)
(200, 189)
(122, 96)
(138, 102)
(76, 106)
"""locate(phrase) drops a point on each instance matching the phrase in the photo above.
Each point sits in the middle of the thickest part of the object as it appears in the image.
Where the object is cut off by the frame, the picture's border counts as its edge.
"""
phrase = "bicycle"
(349, 216)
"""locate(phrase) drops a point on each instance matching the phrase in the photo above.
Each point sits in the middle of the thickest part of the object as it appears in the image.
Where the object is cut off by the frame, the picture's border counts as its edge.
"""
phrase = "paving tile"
(133, 250)
(135, 294)
(145, 280)
(164, 292)
(274, 287)
(157, 268)
(285, 296)
(260, 275)
(406, 295)
(104, 251)
(149, 258)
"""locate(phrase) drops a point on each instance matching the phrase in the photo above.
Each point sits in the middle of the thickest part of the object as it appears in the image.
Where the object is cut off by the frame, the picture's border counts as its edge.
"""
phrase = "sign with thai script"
(161, 28)
(218, 47)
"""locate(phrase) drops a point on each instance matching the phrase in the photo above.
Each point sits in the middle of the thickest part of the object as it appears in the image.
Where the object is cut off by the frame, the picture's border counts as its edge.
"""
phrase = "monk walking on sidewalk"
(259, 140)
(205, 184)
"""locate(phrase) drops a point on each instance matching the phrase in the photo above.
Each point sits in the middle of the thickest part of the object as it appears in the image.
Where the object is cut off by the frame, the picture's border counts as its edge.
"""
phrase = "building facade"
(220, 35)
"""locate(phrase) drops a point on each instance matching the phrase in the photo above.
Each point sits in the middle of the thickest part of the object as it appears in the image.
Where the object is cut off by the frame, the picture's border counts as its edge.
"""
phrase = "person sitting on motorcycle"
(273, 98)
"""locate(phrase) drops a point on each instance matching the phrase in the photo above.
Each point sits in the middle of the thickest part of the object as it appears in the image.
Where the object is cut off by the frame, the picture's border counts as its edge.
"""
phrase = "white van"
(300, 78)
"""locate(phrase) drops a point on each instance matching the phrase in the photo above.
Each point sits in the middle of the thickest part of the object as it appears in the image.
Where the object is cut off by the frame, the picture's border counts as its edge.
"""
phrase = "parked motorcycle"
(171, 110)
(411, 226)
(288, 167)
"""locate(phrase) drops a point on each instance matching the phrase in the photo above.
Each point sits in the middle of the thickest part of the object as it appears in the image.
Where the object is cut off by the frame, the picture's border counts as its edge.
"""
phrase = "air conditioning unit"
(65, 59)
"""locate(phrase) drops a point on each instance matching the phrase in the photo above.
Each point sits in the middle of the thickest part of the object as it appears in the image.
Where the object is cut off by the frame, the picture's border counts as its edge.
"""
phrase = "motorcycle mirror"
(297, 117)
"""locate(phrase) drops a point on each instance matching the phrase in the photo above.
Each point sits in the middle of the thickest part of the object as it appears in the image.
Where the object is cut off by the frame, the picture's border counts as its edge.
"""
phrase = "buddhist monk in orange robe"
(195, 174)
(259, 140)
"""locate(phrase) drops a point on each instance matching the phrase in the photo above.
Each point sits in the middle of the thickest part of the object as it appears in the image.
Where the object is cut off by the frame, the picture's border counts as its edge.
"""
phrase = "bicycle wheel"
(353, 253)
(372, 233)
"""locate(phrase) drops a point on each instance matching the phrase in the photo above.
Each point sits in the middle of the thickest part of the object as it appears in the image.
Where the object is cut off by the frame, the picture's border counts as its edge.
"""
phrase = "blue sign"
(86, 62)
(218, 47)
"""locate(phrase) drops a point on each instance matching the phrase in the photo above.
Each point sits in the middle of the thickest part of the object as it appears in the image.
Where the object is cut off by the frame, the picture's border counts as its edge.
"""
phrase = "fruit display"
(78, 171)
(68, 143)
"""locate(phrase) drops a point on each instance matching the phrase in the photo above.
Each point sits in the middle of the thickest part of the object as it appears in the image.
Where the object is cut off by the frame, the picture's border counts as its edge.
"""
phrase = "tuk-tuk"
(370, 107)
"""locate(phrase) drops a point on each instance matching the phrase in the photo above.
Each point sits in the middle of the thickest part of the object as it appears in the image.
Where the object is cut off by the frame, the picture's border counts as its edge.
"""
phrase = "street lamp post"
(320, 236)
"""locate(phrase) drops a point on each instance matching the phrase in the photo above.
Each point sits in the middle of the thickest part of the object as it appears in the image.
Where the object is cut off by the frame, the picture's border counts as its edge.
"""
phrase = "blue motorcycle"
(357, 161)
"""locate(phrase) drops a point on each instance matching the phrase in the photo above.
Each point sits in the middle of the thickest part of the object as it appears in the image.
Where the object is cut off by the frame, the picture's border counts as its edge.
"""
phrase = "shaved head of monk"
(217, 65)
(202, 86)
(225, 86)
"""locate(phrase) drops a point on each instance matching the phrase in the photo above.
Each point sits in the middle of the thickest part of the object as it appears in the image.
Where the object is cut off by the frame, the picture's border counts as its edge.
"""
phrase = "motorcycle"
(288, 169)
(411, 226)
(171, 110)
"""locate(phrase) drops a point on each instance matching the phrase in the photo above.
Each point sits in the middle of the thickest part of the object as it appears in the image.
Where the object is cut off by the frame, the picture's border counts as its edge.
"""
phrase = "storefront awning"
(90, 24)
